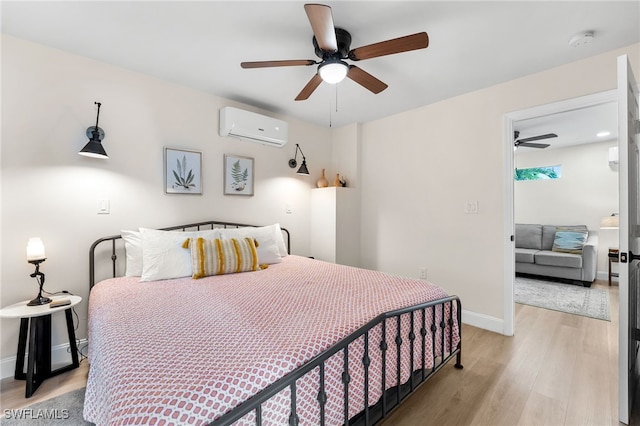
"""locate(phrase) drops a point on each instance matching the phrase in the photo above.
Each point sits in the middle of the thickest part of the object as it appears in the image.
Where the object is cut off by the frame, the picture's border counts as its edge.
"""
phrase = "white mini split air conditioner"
(252, 127)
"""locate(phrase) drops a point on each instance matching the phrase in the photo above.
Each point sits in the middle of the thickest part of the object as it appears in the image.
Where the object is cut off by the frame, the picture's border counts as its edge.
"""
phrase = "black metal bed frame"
(419, 317)
(198, 226)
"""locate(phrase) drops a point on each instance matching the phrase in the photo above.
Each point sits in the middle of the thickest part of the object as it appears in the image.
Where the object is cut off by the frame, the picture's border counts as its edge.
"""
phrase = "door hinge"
(512, 238)
(635, 334)
(637, 127)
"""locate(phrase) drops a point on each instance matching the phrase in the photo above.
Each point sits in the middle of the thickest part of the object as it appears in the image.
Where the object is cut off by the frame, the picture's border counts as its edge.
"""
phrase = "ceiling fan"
(332, 46)
(528, 142)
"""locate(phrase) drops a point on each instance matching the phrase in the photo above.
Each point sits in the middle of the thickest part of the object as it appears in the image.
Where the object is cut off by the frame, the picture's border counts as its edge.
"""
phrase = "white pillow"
(133, 252)
(279, 239)
(267, 247)
(163, 256)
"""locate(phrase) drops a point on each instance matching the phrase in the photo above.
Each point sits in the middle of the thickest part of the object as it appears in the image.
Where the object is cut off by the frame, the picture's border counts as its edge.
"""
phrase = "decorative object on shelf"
(238, 175)
(182, 171)
(35, 256)
(94, 148)
(322, 182)
(293, 163)
(343, 182)
(610, 222)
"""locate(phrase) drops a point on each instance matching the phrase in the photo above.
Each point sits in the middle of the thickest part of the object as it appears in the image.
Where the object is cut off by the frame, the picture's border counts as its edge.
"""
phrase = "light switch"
(471, 207)
(288, 209)
(103, 206)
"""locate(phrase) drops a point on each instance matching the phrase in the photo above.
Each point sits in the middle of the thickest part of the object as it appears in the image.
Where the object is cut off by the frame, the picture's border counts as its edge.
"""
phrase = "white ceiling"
(576, 127)
(200, 44)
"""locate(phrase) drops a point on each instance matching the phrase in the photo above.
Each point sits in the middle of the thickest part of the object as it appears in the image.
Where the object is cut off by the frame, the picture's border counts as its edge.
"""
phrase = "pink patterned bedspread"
(187, 351)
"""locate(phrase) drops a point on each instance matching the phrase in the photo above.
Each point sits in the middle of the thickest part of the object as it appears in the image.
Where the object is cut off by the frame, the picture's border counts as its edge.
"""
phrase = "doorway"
(511, 120)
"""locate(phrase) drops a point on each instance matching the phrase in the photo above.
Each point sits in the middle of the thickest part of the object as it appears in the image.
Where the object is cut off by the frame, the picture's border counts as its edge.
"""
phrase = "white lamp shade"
(35, 249)
(333, 72)
(610, 222)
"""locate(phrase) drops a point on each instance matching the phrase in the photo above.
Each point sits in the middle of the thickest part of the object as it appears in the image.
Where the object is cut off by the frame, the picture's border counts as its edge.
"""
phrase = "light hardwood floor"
(559, 369)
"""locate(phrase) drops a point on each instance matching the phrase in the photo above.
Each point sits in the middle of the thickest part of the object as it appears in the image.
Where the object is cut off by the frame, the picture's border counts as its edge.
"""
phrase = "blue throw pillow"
(569, 241)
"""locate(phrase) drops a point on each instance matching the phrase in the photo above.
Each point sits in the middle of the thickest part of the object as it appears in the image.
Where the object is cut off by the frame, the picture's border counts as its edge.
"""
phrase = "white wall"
(49, 191)
(586, 192)
(419, 169)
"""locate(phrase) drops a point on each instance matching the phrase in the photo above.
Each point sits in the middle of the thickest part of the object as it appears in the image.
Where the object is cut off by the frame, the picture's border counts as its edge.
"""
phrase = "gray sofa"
(534, 255)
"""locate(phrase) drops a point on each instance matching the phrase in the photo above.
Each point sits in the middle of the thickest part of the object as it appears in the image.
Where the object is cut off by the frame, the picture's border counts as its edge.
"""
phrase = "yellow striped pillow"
(217, 257)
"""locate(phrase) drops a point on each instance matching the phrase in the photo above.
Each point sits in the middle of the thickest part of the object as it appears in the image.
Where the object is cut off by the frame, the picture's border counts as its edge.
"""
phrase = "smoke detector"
(581, 39)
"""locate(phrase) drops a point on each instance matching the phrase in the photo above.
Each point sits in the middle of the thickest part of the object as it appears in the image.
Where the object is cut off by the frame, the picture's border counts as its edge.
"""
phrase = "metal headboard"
(212, 224)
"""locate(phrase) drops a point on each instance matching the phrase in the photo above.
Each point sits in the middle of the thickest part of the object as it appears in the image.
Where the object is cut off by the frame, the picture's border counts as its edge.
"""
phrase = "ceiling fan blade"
(389, 47)
(532, 145)
(539, 137)
(365, 79)
(321, 21)
(309, 88)
(266, 64)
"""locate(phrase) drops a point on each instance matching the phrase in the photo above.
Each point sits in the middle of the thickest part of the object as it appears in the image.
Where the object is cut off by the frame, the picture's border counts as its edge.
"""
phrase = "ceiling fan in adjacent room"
(528, 142)
(332, 46)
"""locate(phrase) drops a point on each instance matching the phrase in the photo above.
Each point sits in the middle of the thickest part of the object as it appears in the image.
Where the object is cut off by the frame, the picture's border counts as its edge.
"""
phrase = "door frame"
(509, 215)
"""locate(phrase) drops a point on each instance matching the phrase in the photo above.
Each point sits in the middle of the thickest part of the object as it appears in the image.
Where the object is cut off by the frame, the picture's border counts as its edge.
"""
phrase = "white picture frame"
(182, 171)
(238, 175)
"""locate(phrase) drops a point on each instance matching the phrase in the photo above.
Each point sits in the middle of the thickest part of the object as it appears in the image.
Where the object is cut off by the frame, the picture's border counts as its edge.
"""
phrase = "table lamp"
(35, 255)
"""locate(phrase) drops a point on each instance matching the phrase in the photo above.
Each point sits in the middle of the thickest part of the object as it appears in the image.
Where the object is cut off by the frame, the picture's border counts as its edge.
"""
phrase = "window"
(538, 173)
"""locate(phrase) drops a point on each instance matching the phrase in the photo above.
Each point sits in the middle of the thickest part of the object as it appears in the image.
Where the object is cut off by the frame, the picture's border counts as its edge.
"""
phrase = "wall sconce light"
(293, 163)
(94, 148)
(610, 222)
(35, 256)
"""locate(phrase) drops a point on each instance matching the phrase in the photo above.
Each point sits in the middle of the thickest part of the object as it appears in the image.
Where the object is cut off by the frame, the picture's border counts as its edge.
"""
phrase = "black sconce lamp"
(293, 163)
(35, 256)
(94, 148)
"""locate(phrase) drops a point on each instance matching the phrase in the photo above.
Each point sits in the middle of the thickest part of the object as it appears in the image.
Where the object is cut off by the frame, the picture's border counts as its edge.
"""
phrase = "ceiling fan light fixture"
(333, 72)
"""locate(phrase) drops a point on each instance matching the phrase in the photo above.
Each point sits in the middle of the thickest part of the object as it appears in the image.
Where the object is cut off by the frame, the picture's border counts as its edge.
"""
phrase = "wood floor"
(559, 369)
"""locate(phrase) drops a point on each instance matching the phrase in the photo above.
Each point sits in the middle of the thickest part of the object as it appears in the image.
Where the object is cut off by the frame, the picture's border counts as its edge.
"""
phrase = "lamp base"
(39, 301)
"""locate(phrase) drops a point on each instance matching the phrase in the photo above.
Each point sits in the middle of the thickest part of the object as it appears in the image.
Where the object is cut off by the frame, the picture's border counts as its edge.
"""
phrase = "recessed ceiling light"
(603, 134)
(581, 39)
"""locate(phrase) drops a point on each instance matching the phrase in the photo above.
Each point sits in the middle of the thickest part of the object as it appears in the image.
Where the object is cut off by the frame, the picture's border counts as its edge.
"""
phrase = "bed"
(293, 341)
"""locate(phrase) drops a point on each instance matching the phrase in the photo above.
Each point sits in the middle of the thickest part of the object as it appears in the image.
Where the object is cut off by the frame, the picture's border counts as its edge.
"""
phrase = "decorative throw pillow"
(569, 240)
(218, 257)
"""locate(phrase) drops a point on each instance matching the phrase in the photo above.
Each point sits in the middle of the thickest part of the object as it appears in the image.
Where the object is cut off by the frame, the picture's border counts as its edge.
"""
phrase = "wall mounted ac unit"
(252, 127)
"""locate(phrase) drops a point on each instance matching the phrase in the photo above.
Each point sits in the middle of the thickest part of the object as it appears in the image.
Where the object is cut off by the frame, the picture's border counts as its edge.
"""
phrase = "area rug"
(572, 299)
(65, 409)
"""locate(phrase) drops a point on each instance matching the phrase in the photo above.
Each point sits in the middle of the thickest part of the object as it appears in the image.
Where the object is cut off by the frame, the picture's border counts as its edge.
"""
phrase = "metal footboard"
(440, 330)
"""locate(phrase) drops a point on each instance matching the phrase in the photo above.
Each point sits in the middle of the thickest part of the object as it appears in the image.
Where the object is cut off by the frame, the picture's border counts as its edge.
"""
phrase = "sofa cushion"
(525, 255)
(528, 236)
(569, 240)
(552, 258)
(548, 235)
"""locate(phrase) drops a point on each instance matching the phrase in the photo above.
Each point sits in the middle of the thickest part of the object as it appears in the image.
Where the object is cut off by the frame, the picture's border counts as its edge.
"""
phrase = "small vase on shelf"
(337, 181)
(322, 182)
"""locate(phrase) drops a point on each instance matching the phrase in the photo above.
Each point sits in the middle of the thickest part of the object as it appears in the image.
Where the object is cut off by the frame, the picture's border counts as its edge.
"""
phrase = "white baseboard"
(483, 321)
(59, 356)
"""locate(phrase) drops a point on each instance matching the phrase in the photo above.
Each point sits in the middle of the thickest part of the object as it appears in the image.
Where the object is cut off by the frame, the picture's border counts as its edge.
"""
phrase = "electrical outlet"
(423, 273)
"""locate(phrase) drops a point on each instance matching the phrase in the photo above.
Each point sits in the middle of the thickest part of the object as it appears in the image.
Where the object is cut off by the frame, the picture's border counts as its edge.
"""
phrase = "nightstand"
(36, 320)
(613, 258)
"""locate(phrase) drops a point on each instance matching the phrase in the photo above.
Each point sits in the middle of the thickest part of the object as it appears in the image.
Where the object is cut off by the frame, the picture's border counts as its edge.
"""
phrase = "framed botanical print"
(238, 175)
(182, 171)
